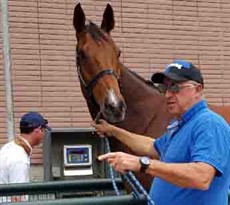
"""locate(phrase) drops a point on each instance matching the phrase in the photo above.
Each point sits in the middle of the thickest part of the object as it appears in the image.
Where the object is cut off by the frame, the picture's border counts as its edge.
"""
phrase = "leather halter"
(89, 87)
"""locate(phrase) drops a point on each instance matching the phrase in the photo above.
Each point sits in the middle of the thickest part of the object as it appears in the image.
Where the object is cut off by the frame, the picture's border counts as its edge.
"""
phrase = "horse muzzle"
(113, 110)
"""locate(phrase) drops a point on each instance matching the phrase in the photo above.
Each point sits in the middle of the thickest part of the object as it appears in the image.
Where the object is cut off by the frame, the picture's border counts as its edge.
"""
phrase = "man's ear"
(199, 87)
(36, 130)
(199, 90)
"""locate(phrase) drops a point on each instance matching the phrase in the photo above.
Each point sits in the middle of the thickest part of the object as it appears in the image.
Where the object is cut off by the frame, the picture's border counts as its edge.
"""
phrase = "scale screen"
(77, 155)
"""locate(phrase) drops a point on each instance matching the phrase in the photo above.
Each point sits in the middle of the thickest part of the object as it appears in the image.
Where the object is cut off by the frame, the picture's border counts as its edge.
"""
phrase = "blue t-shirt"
(201, 136)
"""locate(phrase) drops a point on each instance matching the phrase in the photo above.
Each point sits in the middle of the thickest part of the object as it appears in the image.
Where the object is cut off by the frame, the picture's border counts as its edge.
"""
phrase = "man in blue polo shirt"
(191, 161)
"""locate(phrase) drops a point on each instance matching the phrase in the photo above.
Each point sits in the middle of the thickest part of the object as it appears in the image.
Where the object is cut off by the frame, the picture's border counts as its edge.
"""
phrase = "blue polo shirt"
(201, 136)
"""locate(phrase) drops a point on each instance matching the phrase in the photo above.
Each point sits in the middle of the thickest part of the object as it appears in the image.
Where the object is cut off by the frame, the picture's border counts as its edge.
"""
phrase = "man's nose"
(168, 94)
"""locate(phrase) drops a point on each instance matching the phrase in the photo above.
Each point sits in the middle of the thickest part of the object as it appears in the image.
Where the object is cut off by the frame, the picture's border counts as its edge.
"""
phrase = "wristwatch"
(145, 162)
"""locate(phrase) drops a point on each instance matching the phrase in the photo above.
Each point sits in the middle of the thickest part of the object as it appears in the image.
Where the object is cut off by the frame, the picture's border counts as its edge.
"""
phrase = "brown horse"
(121, 96)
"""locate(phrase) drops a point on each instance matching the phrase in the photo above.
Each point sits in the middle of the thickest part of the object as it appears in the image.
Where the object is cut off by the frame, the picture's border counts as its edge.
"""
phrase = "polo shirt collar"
(176, 124)
(192, 111)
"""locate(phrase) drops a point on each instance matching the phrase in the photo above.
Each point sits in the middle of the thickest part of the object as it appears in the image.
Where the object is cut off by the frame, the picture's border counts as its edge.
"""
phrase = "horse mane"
(136, 75)
(147, 82)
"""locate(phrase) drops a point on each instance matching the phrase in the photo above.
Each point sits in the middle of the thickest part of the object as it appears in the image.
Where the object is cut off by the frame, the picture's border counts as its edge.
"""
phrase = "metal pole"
(107, 200)
(58, 186)
(8, 84)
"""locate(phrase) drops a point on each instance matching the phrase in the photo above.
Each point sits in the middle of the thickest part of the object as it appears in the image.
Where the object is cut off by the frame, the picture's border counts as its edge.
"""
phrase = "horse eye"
(77, 60)
(81, 55)
(77, 57)
(119, 53)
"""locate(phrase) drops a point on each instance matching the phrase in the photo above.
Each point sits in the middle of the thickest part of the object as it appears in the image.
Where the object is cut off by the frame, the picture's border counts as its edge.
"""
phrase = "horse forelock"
(95, 32)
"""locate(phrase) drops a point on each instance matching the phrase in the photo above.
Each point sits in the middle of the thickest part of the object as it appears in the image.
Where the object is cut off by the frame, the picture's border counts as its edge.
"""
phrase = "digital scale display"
(77, 155)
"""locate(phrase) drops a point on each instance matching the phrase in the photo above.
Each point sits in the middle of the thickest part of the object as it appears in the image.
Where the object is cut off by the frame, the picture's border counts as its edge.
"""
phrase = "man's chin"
(172, 110)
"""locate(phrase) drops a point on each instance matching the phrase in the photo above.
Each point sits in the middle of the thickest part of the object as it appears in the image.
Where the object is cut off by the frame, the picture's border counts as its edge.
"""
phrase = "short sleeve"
(160, 143)
(211, 144)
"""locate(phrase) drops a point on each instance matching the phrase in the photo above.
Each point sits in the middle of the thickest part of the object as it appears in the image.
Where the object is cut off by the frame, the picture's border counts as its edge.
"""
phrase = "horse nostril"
(122, 105)
(110, 105)
(114, 106)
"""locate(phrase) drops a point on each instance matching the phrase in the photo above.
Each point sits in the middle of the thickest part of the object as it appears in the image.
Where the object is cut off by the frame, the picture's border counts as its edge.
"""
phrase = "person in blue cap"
(190, 162)
(15, 155)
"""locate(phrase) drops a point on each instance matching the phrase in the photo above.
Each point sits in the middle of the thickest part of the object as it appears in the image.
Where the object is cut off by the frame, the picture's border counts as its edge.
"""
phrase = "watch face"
(145, 161)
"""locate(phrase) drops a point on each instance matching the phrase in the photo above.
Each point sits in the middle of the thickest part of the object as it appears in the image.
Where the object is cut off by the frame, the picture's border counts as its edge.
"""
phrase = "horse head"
(97, 59)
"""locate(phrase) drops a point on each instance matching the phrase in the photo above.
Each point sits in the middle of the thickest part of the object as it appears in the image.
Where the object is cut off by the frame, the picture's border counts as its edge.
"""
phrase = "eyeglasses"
(45, 128)
(175, 88)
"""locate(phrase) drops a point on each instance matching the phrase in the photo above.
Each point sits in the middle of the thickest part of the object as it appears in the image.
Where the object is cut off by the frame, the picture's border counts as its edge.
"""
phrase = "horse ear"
(108, 19)
(79, 19)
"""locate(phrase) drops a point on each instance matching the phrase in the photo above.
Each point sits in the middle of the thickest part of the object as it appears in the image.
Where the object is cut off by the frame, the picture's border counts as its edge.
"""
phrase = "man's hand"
(122, 162)
(103, 128)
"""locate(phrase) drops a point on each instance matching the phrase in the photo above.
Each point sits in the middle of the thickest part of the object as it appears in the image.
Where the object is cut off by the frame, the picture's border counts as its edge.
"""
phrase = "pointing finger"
(106, 156)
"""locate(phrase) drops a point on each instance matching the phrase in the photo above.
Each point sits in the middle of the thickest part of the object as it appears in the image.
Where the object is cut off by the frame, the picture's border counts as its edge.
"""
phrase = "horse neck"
(135, 87)
(144, 103)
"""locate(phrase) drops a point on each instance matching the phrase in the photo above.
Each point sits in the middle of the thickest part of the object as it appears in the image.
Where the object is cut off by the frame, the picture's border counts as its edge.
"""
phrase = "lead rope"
(141, 188)
(111, 171)
(129, 177)
(112, 175)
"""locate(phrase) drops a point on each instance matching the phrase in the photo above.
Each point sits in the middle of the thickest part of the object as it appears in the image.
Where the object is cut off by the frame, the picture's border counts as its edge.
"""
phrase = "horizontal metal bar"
(59, 186)
(107, 200)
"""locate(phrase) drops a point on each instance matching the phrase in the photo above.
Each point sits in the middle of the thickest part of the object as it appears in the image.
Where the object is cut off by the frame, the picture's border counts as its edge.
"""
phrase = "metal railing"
(84, 192)
(59, 186)
(105, 200)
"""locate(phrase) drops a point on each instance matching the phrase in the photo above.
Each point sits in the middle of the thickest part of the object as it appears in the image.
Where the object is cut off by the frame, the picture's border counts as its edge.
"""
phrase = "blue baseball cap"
(179, 71)
(33, 120)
